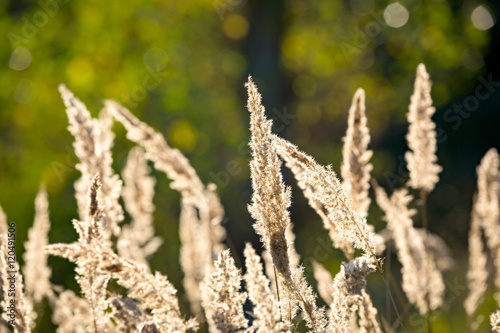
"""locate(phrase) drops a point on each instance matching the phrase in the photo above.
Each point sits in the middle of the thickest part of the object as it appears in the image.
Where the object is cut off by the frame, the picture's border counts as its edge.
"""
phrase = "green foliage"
(180, 66)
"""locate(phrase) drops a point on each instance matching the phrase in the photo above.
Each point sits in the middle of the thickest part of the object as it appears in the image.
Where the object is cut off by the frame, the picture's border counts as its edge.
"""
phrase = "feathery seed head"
(484, 217)
(93, 143)
(422, 281)
(266, 308)
(421, 137)
(270, 202)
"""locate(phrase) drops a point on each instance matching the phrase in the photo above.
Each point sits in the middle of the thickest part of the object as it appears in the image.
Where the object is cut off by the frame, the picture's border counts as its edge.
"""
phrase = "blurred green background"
(307, 57)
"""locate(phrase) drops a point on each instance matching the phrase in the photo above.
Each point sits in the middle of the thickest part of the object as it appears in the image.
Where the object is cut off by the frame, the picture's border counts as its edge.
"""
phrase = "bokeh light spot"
(294, 48)
(236, 26)
(482, 18)
(20, 58)
(80, 72)
(432, 38)
(396, 15)
(183, 135)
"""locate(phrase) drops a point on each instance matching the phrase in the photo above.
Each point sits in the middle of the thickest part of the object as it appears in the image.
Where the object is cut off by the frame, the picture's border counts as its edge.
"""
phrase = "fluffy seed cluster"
(421, 137)
(270, 198)
(97, 264)
(325, 282)
(484, 220)
(422, 281)
(495, 322)
(270, 202)
(266, 311)
(148, 302)
(137, 240)
(13, 291)
(71, 313)
(488, 209)
(223, 299)
(326, 195)
(368, 315)
(36, 271)
(93, 143)
(201, 207)
(348, 286)
(355, 169)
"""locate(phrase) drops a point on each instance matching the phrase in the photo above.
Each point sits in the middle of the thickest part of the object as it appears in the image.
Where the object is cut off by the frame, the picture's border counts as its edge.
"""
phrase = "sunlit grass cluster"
(120, 293)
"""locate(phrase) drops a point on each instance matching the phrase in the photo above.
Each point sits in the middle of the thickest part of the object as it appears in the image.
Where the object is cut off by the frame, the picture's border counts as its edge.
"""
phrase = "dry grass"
(278, 301)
